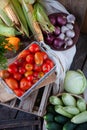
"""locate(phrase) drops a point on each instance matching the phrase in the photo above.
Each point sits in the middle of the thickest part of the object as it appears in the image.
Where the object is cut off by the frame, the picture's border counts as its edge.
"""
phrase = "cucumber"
(81, 104)
(55, 100)
(72, 110)
(82, 126)
(68, 99)
(50, 109)
(69, 126)
(53, 126)
(61, 119)
(48, 117)
(61, 111)
(80, 118)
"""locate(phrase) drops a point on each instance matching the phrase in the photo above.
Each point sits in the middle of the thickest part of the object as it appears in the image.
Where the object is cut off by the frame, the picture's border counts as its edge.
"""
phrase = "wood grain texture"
(84, 25)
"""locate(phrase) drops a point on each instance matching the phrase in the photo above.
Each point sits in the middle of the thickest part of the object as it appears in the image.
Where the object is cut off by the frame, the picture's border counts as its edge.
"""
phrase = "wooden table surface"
(12, 119)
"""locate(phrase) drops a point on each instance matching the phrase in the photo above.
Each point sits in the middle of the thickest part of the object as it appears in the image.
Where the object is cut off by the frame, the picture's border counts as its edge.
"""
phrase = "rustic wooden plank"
(28, 103)
(84, 25)
(7, 113)
(81, 53)
(29, 117)
(85, 68)
(17, 123)
(44, 100)
(13, 102)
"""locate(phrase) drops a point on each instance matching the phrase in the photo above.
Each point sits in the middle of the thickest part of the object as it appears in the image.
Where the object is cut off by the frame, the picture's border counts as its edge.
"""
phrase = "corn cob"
(30, 1)
(8, 31)
(1, 22)
(42, 18)
(6, 7)
(32, 23)
(20, 14)
(5, 18)
(11, 14)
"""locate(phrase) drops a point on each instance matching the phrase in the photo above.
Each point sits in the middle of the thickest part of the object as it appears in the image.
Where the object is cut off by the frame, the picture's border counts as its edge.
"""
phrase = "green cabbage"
(75, 82)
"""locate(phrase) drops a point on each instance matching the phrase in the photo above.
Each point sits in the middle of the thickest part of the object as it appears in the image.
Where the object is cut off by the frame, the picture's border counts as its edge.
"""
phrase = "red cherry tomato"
(19, 61)
(46, 67)
(38, 57)
(35, 74)
(35, 80)
(17, 76)
(12, 68)
(12, 83)
(25, 84)
(4, 74)
(45, 56)
(30, 58)
(30, 78)
(18, 92)
(37, 68)
(23, 54)
(29, 67)
(34, 48)
(22, 70)
(27, 73)
(40, 74)
(50, 62)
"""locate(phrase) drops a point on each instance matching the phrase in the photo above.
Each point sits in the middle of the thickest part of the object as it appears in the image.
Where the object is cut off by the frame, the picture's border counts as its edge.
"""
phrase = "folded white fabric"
(63, 61)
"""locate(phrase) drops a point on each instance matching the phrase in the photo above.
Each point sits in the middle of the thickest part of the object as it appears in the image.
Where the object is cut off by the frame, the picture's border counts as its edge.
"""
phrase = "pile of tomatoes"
(30, 65)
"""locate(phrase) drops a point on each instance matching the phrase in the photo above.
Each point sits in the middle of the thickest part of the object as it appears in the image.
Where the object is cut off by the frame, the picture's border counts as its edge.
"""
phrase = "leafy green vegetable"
(3, 50)
(75, 82)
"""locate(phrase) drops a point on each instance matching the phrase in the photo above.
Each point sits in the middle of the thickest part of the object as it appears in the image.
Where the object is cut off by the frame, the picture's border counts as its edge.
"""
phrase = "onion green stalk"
(75, 82)
(42, 18)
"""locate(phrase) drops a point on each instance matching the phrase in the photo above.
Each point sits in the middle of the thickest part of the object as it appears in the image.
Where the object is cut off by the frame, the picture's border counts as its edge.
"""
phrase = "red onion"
(49, 38)
(52, 19)
(58, 43)
(57, 30)
(61, 20)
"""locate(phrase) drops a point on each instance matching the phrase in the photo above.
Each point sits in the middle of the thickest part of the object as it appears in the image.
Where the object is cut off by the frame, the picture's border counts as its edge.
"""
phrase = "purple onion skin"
(49, 39)
(58, 43)
(52, 19)
(57, 31)
(61, 20)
